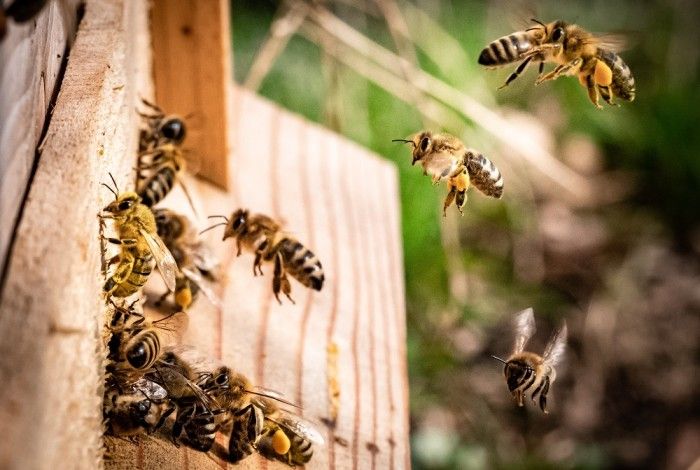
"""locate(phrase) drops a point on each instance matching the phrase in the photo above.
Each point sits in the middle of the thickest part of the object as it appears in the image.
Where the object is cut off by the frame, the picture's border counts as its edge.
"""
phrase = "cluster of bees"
(153, 385)
(574, 51)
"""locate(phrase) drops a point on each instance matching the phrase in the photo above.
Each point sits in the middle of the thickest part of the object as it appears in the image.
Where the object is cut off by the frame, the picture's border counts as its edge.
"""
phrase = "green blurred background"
(606, 234)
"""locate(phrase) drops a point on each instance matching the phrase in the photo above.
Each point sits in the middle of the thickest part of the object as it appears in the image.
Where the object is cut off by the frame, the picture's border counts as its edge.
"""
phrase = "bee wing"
(615, 42)
(164, 259)
(203, 285)
(554, 352)
(152, 390)
(524, 324)
(302, 428)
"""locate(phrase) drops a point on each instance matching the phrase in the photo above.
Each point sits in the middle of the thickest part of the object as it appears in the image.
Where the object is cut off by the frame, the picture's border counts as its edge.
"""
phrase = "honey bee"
(526, 370)
(136, 344)
(138, 408)
(444, 157)
(574, 50)
(198, 268)
(160, 128)
(263, 236)
(285, 437)
(140, 245)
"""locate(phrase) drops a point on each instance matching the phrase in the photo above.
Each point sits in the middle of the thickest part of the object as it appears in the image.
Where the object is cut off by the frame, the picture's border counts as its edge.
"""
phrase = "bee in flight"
(263, 236)
(198, 268)
(140, 245)
(526, 370)
(444, 157)
(574, 50)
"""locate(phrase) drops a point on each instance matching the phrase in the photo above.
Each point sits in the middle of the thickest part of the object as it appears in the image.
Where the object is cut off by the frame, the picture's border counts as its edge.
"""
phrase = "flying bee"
(286, 437)
(160, 128)
(198, 267)
(574, 50)
(140, 245)
(444, 157)
(263, 236)
(136, 344)
(529, 371)
(138, 408)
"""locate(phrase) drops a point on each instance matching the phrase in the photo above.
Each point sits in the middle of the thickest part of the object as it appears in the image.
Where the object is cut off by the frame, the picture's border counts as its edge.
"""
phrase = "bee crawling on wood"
(444, 157)
(526, 370)
(263, 236)
(574, 50)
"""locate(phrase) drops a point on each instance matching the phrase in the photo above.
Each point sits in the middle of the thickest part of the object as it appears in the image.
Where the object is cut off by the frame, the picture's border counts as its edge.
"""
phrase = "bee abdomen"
(302, 264)
(143, 350)
(302, 450)
(136, 279)
(505, 50)
(157, 186)
(484, 175)
(623, 84)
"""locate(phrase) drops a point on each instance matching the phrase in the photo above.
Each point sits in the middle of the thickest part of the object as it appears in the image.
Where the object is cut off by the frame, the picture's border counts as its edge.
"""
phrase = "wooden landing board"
(31, 57)
(342, 202)
(51, 307)
(192, 73)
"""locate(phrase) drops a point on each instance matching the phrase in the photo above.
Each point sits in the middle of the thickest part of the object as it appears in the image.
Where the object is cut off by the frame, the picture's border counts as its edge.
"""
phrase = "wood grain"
(51, 308)
(342, 202)
(192, 73)
(32, 56)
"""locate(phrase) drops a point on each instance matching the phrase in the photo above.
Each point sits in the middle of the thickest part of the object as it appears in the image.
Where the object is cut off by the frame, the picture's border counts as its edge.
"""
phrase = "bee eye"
(221, 379)
(142, 407)
(424, 144)
(174, 129)
(557, 34)
(125, 205)
(238, 222)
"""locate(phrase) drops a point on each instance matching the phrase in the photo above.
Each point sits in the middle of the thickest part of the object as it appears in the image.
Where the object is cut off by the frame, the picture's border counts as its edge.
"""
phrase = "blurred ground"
(615, 250)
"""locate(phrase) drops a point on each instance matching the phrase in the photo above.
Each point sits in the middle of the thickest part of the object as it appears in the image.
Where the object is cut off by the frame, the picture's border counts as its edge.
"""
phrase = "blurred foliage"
(625, 274)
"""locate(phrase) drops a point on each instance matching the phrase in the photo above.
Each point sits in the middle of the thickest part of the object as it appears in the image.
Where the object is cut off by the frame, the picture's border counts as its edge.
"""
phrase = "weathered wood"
(51, 307)
(192, 72)
(31, 58)
(340, 201)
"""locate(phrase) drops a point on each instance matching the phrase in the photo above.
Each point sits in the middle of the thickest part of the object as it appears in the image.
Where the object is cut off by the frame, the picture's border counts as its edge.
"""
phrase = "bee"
(141, 407)
(285, 437)
(574, 50)
(444, 157)
(198, 268)
(160, 128)
(136, 344)
(140, 245)
(263, 236)
(525, 370)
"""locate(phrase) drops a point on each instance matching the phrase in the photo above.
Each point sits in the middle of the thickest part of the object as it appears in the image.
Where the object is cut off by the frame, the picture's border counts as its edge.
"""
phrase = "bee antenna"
(218, 216)
(499, 359)
(113, 181)
(213, 226)
(279, 399)
(538, 22)
(110, 190)
(404, 141)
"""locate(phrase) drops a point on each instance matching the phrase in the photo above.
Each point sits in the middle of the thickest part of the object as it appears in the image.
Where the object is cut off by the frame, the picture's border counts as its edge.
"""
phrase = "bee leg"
(238, 247)
(461, 201)
(543, 395)
(540, 70)
(592, 91)
(558, 71)
(607, 94)
(183, 417)
(448, 200)
(163, 418)
(280, 282)
(113, 260)
(257, 264)
(521, 68)
(122, 272)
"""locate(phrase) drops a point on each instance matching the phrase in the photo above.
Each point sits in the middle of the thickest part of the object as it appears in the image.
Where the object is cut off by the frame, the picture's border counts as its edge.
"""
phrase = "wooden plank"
(51, 360)
(192, 72)
(342, 202)
(32, 56)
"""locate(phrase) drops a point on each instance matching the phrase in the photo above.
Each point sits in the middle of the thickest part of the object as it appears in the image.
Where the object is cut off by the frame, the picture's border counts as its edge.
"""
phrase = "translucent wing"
(203, 285)
(611, 41)
(164, 259)
(554, 352)
(524, 324)
(152, 390)
(302, 428)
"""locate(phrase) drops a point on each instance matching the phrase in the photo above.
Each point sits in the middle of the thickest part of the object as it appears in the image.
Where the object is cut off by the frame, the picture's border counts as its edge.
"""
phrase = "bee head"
(557, 32)
(173, 129)
(422, 145)
(237, 224)
(124, 203)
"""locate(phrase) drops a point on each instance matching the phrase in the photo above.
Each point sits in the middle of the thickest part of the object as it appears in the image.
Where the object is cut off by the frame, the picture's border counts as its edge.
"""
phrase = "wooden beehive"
(333, 195)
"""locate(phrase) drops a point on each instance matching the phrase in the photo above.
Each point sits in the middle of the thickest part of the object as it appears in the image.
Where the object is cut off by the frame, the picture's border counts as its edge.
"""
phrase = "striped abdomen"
(301, 450)
(199, 425)
(520, 375)
(158, 185)
(623, 84)
(143, 265)
(484, 175)
(301, 263)
(506, 49)
(168, 224)
(143, 349)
